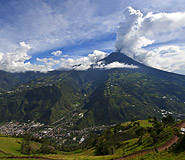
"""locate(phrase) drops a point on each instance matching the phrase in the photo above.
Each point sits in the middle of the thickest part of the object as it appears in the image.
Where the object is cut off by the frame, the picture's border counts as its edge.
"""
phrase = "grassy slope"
(162, 156)
(131, 146)
(19, 159)
(12, 146)
(82, 157)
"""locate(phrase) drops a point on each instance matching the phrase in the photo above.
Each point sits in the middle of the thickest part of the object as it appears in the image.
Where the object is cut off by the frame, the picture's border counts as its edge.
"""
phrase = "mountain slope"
(38, 103)
(128, 95)
(9, 80)
(49, 97)
(134, 94)
(122, 58)
(106, 96)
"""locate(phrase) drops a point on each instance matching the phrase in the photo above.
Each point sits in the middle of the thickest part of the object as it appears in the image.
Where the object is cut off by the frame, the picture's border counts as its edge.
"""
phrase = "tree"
(168, 119)
(140, 132)
(155, 118)
(25, 148)
(154, 137)
(25, 145)
(104, 148)
(181, 144)
(155, 132)
(136, 123)
(47, 149)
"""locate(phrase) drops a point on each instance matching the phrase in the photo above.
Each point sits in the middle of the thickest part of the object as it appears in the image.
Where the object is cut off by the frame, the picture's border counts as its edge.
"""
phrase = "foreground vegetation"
(117, 141)
(176, 152)
(162, 156)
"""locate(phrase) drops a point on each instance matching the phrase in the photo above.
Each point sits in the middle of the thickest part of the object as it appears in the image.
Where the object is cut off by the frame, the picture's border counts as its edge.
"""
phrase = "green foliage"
(133, 136)
(114, 137)
(90, 141)
(31, 147)
(104, 148)
(168, 119)
(25, 147)
(165, 155)
(140, 132)
(180, 146)
(46, 148)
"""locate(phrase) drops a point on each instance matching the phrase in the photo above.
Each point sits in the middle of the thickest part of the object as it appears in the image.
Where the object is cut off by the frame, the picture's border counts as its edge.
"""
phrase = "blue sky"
(31, 30)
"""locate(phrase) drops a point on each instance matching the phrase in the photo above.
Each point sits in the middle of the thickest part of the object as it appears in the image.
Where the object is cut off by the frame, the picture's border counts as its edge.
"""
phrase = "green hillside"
(108, 96)
(10, 80)
(128, 95)
(40, 101)
(105, 96)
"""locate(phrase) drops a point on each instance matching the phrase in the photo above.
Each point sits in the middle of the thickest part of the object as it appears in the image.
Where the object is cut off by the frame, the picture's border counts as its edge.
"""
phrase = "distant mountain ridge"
(122, 58)
(105, 96)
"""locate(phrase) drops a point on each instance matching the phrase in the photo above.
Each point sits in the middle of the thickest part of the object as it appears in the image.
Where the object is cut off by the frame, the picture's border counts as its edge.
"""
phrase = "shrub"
(47, 149)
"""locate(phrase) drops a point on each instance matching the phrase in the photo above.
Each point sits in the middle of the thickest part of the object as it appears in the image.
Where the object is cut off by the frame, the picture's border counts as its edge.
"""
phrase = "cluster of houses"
(60, 133)
(164, 113)
(17, 129)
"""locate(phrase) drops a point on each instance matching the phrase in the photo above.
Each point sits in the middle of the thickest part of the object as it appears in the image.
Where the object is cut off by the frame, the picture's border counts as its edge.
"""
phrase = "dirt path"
(168, 144)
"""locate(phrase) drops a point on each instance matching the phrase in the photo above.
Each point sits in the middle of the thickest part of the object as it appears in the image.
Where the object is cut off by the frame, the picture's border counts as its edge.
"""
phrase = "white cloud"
(44, 60)
(137, 32)
(82, 63)
(116, 64)
(119, 65)
(49, 25)
(170, 58)
(56, 53)
(53, 24)
(65, 55)
(49, 62)
(1, 56)
(16, 61)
